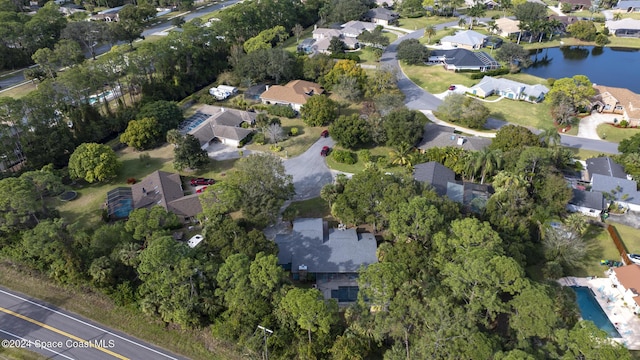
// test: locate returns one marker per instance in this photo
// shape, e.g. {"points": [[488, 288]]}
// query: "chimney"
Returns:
{"points": [[315, 26], [266, 88]]}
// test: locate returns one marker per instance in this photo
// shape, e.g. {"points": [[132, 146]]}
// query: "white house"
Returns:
{"points": [[468, 39], [509, 89]]}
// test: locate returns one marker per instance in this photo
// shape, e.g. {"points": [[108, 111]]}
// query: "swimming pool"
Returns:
{"points": [[591, 310]]}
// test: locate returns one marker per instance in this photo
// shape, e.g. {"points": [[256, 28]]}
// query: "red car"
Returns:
{"points": [[201, 190], [325, 133], [202, 181], [324, 151], [452, 87]]}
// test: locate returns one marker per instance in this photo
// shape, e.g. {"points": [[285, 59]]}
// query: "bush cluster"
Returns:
{"points": [[496, 72], [281, 110], [347, 56], [344, 157]]}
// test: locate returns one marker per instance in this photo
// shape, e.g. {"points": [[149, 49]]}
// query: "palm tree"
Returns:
{"points": [[402, 155], [493, 27], [550, 137], [617, 16], [462, 22], [476, 11], [576, 223], [429, 31], [486, 162]]}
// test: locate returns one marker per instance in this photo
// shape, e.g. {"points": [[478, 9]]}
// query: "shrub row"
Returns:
{"points": [[344, 157]]}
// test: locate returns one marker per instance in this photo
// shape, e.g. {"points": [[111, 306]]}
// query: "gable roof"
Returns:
{"points": [[586, 3], [294, 92], [627, 23], [326, 33], [435, 135], [625, 97], [624, 190], [381, 13], [324, 250], [625, 4], [158, 188], [463, 57], [186, 206], [434, 174], [507, 25], [605, 166], [489, 83], [356, 28], [588, 199], [467, 37]]}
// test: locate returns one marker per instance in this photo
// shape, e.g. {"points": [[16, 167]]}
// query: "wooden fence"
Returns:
{"points": [[619, 245]]}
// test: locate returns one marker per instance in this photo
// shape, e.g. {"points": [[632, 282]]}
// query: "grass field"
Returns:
{"points": [[614, 134], [19, 354], [522, 113], [312, 208], [195, 344], [435, 79], [600, 246]]}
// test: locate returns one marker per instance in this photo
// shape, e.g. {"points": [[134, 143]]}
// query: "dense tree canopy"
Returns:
{"points": [[403, 126], [319, 111], [412, 52], [350, 131], [93, 162]]}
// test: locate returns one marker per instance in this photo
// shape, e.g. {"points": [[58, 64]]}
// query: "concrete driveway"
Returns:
{"points": [[218, 151], [309, 170], [588, 125]]}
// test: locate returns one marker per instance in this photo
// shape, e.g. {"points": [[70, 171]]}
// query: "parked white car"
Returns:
{"points": [[635, 258]]}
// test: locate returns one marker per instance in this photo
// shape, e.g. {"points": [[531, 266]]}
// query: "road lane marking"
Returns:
{"points": [[63, 333], [31, 342], [87, 324]]}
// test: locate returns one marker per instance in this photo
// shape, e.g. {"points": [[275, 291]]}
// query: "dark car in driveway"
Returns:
{"points": [[202, 181], [324, 151]]}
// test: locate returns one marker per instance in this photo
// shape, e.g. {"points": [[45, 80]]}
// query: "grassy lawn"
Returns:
{"points": [[611, 133], [191, 343], [377, 153], [435, 79], [312, 208], [19, 354], [583, 154], [522, 113], [295, 145], [19, 91], [421, 22], [600, 246]]}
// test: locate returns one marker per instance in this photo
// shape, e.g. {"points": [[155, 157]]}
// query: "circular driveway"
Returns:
{"points": [[589, 124], [309, 170]]}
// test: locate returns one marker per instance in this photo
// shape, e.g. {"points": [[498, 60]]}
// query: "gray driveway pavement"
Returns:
{"points": [[309, 170]]}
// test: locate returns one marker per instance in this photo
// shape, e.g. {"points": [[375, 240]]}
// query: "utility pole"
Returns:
{"points": [[265, 334]]}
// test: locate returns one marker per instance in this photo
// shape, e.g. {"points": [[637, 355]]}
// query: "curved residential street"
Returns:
{"points": [[309, 170], [419, 99]]}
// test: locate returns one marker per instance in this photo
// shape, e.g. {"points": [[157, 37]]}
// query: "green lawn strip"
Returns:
{"points": [[294, 145], [18, 91], [421, 22], [583, 154], [19, 354], [98, 307], [312, 208], [615, 134]]}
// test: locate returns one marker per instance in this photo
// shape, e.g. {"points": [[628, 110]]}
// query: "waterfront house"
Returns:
{"points": [[468, 39], [509, 89]]}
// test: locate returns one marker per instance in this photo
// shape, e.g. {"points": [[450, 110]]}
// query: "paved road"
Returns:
{"points": [[309, 170], [18, 76], [416, 98], [57, 334]]}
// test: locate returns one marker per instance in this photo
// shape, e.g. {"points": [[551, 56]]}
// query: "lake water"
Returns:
{"points": [[617, 67]]}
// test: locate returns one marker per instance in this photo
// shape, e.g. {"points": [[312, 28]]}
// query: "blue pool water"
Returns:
{"points": [[591, 310], [123, 208]]}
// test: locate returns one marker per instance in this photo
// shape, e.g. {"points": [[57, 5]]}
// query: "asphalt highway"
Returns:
{"points": [[36, 326]]}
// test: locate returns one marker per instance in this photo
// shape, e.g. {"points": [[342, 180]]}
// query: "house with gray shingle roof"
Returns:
{"points": [[624, 28], [434, 174], [435, 135], [355, 28], [462, 59], [381, 16], [623, 191], [628, 5], [509, 89], [605, 166], [162, 188], [224, 125], [590, 203], [468, 39], [333, 255]]}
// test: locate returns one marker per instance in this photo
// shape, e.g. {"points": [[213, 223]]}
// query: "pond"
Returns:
{"points": [[617, 67]]}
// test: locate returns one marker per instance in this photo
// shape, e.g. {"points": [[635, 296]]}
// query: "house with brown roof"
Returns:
{"points": [[627, 280], [164, 189], [576, 5], [621, 101], [226, 126], [294, 94]]}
